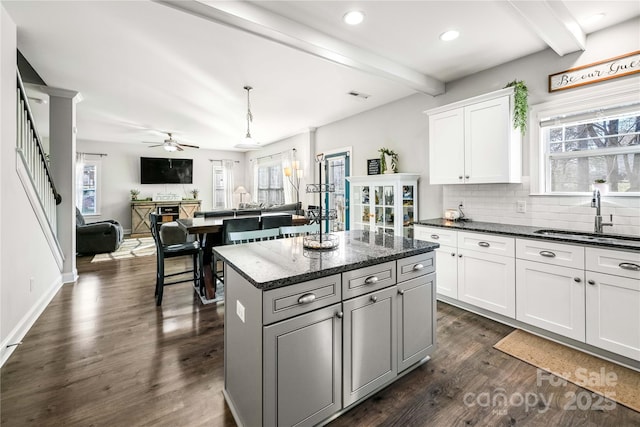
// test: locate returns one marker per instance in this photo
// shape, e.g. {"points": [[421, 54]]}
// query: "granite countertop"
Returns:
{"points": [[272, 264], [616, 241]]}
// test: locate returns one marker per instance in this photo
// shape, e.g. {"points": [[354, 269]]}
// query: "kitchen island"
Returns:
{"points": [[309, 334]]}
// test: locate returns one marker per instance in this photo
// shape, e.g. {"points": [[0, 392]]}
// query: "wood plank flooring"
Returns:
{"points": [[102, 354]]}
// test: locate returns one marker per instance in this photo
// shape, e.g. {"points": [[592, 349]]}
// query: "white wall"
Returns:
{"points": [[121, 173], [497, 202], [29, 274]]}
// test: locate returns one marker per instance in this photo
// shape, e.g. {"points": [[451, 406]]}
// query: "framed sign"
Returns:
{"points": [[373, 167], [612, 68]]}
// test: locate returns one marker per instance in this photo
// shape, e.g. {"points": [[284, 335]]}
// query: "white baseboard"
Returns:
{"points": [[23, 326]]}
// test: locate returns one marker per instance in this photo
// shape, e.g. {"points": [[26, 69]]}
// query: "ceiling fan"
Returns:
{"points": [[171, 144], [248, 143]]}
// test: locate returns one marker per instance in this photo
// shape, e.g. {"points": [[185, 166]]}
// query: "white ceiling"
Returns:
{"points": [[144, 67]]}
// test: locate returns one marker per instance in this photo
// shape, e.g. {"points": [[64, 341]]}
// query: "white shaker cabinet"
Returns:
{"points": [[446, 257], [473, 141], [550, 287], [613, 301]]}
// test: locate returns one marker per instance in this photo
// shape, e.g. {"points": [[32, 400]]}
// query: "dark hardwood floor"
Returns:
{"points": [[102, 354]]}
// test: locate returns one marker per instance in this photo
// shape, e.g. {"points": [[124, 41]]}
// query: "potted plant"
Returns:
{"points": [[601, 185], [520, 106], [134, 193], [194, 193], [388, 156]]}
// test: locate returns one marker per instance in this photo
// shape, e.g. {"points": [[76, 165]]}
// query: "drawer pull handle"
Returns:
{"points": [[418, 267], [371, 280], [400, 291], [374, 298], [484, 244], [435, 236], [548, 254], [577, 279], [339, 315], [591, 282], [307, 299], [629, 266]]}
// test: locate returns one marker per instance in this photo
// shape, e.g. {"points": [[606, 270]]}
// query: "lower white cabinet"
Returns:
{"points": [[551, 297], [446, 257], [487, 281], [613, 301], [369, 358]]}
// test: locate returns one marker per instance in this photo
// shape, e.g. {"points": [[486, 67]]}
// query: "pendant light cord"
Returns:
{"points": [[249, 115]]}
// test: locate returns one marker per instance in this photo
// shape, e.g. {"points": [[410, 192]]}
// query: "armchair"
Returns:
{"points": [[97, 237]]}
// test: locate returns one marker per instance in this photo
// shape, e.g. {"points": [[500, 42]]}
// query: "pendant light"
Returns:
{"points": [[248, 143]]}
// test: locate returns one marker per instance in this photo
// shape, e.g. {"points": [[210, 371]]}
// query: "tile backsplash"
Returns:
{"points": [[498, 203]]}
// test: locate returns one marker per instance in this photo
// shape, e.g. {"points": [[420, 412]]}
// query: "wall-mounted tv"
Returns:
{"points": [[159, 170]]}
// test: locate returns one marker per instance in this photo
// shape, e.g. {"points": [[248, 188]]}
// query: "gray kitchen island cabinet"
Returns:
{"points": [[308, 335]]}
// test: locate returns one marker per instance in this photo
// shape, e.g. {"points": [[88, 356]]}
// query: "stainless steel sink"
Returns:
{"points": [[612, 239]]}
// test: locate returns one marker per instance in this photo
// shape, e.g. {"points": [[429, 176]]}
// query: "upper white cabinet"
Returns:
{"points": [[474, 142]]}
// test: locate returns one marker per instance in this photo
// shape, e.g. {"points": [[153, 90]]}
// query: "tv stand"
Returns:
{"points": [[140, 210]]}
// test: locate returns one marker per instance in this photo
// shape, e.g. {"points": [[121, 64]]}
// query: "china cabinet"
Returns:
{"points": [[385, 203]]}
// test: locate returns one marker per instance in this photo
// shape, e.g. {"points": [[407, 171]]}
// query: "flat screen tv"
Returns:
{"points": [[159, 170]]}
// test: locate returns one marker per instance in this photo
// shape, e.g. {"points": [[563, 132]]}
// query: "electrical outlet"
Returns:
{"points": [[240, 310], [521, 206]]}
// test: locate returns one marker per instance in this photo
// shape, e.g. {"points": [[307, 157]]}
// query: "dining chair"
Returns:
{"points": [[300, 230], [275, 221], [238, 237], [231, 225], [165, 251]]}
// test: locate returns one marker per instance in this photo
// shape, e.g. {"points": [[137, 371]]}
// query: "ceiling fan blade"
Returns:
{"points": [[188, 145], [157, 145], [179, 148]]}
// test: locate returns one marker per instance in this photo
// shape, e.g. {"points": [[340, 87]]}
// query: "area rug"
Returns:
{"points": [[613, 381], [130, 248]]}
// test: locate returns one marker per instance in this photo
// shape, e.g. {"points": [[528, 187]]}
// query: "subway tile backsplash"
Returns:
{"points": [[498, 202]]}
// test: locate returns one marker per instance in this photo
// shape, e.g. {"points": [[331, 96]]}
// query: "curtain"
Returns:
{"points": [[268, 180], [229, 185], [288, 158], [80, 161]]}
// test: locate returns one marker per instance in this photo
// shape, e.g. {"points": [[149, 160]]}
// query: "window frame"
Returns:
{"points": [[606, 96], [97, 163]]}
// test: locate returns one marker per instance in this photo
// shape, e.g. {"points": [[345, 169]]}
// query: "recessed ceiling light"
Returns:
{"points": [[353, 17], [449, 35]]}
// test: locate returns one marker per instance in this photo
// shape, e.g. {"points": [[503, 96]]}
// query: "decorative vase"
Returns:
{"points": [[388, 160], [603, 187]]}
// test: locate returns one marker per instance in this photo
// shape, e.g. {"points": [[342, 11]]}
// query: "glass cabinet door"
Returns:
{"points": [[408, 206], [384, 208], [361, 207]]}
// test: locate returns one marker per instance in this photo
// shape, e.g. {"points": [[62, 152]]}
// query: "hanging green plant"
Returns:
{"points": [[521, 106]]}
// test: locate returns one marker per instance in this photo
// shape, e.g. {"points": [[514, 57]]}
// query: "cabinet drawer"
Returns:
{"points": [[487, 243], [289, 301], [368, 279], [550, 253], [436, 235], [619, 263], [415, 266]]}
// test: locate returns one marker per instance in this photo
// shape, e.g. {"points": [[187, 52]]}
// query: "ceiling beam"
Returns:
{"points": [[553, 23], [253, 19]]}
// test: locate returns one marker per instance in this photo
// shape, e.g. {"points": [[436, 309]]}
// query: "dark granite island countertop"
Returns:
{"points": [[272, 264]]}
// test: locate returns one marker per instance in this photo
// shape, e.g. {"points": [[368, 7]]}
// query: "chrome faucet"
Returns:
{"points": [[595, 203]]}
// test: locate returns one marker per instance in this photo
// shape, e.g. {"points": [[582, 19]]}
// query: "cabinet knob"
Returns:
{"points": [[466, 176], [400, 291], [371, 280], [591, 282], [460, 256], [459, 176], [374, 298], [577, 279], [339, 315], [453, 254]]}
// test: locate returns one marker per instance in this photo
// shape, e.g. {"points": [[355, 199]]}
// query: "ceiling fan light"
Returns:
{"points": [[449, 35], [169, 147]]}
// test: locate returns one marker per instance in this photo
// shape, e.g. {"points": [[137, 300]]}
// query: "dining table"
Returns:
{"points": [[204, 228]]}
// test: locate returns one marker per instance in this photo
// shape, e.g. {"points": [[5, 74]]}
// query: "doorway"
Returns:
{"points": [[337, 169]]}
